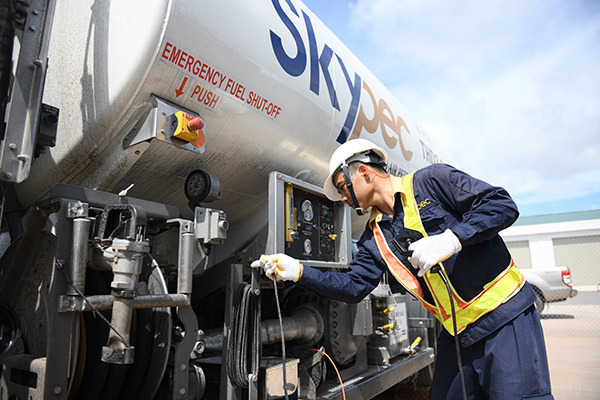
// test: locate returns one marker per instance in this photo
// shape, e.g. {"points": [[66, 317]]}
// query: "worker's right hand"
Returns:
{"points": [[434, 249], [284, 267]]}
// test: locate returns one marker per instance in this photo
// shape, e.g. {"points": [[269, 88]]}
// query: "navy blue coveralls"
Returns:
{"points": [[503, 353]]}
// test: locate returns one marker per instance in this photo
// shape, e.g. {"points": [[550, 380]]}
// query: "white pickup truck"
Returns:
{"points": [[550, 284]]}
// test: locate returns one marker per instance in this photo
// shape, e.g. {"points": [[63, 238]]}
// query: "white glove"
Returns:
{"points": [[431, 250], [283, 266]]}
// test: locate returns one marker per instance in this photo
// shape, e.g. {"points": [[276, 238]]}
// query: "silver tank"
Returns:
{"points": [[277, 90]]}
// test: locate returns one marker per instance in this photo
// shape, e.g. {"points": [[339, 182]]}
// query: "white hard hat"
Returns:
{"points": [[352, 150]]}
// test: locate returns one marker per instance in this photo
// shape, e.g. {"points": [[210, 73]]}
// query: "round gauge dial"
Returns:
{"points": [[307, 246], [307, 210]]}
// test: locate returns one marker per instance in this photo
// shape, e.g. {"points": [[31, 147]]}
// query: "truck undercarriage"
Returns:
{"points": [[108, 297]]}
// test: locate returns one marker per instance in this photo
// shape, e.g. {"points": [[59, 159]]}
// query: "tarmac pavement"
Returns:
{"points": [[572, 334]]}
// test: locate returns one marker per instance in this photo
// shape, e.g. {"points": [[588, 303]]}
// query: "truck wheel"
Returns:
{"points": [[539, 301]]}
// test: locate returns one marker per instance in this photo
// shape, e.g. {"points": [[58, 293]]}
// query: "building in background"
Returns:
{"points": [[569, 239]]}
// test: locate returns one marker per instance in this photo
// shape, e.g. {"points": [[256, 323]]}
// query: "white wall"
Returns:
{"points": [[540, 237]]}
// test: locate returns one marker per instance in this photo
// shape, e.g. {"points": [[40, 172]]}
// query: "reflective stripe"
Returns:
{"points": [[494, 293], [399, 270]]}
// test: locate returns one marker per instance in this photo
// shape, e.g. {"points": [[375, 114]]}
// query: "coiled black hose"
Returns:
{"points": [[245, 320]]}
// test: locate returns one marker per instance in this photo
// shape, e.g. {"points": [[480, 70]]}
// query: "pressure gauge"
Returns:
{"points": [[307, 246], [307, 210]]}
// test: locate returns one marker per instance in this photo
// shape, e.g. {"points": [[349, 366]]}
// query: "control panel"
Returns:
{"points": [[310, 228], [306, 225]]}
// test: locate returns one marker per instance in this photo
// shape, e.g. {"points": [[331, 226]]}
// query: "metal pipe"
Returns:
{"points": [[79, 255], [105, 302], [305, 325], [127, 266], [184, 279], [118, 350]]}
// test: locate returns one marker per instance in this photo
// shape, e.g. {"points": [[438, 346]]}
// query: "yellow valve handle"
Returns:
{"points": [[416, 342], [388, 310]]}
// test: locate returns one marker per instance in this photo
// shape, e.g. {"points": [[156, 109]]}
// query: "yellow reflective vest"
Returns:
{"points": [[494, 293]]}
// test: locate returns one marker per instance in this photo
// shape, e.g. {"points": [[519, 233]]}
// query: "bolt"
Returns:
{"points": [[199, 348], [37, 62], [56, 390], [35, 12], [12, 146], [182, 367], [182, 391], [32, 28], [256, 292], [8, 175]]}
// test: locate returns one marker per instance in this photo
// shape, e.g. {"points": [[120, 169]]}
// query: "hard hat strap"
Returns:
{"points": [[359, 210]]}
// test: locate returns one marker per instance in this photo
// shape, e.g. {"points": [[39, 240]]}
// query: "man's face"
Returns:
{"points": [[357, 185]]}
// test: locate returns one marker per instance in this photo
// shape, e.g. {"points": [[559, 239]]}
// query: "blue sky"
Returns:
{"points": [[511, 88]]}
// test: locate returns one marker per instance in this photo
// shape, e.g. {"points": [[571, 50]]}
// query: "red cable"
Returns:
{"points": [[336, 371]]}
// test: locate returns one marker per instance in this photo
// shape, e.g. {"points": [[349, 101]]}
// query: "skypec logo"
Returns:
{"points": [[321, 63]]}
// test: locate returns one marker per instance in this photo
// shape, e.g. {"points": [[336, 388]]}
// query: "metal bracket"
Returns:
{"points": [[138, 219], [154, 125], [182, 353], [22, 121], [77, 209], [421, 323]]}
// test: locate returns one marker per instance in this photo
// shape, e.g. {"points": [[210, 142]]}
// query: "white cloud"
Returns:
{"points": [[510, 88]]}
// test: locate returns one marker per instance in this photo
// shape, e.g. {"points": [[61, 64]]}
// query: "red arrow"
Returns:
{"points": [[179, 91]]}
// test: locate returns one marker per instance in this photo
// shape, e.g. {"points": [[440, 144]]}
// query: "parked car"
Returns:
{"points": [[550, 284]]}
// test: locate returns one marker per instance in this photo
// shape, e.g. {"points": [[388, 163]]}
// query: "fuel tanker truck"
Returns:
{"points": [[151, 150]]}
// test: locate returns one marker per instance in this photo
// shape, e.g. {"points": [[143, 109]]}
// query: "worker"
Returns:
{"points": [[501, 340]]}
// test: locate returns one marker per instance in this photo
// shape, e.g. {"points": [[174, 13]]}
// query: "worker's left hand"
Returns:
{"points": [[431, 250], [284, 267]]}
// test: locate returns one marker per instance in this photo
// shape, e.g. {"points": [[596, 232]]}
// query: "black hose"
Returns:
{"points": [[285, 392], [407, 236], [438, 270], [245, 320]]}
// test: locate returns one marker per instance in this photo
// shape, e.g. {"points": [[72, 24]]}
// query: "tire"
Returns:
{"points": [[539, 300]]}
